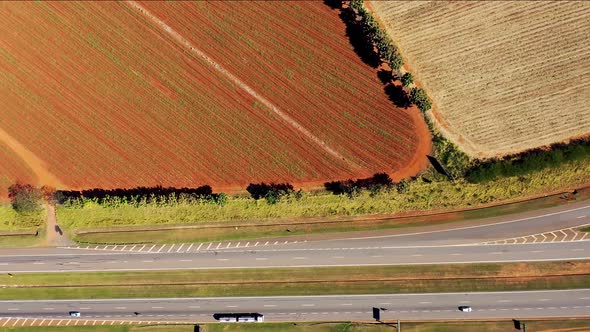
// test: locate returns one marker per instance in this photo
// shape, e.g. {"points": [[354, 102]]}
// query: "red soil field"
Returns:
{"points": [[225, 94]]}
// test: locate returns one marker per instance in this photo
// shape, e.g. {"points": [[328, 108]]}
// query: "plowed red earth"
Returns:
{"points": [[105, 96]]}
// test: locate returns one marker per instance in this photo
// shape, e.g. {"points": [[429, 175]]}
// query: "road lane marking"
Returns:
{"points": [[261, 259], [223, 259], [189, 248], [120, 308], [199, 248], [580, 217], [308, 305], [299, 257], [157, 307], [209, 246], [186, 260], [38, 263], [13, 309], [149, 261], [180, 248], [85, 308], [48, 308], [425, 302], [504, 301], [543, 300], [377, 256], [194, 306], [231, 306], [269, 305]]}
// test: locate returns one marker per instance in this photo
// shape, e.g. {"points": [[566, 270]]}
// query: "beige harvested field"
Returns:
{"points": [[504, 76]]}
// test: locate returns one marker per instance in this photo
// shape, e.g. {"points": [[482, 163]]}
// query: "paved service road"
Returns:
{"points": [[572, 303], [459, 244]]}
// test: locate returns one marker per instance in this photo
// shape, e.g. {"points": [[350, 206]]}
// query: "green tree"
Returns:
{"points": [[407, 79], [25, 198], [420, 99]]}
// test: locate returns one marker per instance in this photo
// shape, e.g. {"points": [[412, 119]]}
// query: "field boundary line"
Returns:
{"points": [[179, 38]]}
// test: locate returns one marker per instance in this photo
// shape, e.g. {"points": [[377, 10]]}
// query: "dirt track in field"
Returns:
{"points": [[237, 81], [37, 166]]}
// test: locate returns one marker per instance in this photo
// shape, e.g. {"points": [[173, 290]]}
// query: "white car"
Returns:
{"points": [[465, 308], [74, 314]]}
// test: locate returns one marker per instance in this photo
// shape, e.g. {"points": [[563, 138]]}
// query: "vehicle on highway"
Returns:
{"points": [[74, 314], [465, 308], [239, 317]]}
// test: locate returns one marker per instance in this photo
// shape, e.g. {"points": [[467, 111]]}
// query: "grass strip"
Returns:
{"points": [[215, 231], [299, 281]]}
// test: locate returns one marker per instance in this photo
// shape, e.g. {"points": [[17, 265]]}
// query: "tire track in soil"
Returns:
{"points": [[183, 41], [37, 166]]}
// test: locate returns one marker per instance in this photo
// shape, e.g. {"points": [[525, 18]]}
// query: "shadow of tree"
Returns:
{"points": [[397, 95]]}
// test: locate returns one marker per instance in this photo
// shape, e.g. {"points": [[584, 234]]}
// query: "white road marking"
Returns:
{"points": [[269, 305], [48, 308], [223, 259], [261, 259], [580, 217], [13, 309], [180, 248], [189, 248], [199, 248], [504, 301], [186, 260], [231, 306], [157, 307], [308, 305], [299, 257], [38, 263], [150, 261], [120, 308]]}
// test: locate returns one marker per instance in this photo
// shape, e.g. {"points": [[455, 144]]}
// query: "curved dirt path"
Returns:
{"points": [[44, 177]]}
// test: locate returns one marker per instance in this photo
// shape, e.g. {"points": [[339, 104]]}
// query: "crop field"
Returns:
{"points": [[105, 94], [504, 76]]}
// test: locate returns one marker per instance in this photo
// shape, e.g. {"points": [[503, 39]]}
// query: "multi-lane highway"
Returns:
{"points": [[325, 308], [461, 242]]}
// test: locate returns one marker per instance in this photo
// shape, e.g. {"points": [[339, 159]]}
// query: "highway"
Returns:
{"points": [[460, 242], [573, 303]]}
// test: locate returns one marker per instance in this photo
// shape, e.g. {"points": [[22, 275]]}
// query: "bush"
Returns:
{"points": [[25, 198], [407, 79], [420, 99], [271, 192]]}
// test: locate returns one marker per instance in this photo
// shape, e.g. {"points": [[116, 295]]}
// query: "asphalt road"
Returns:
{"points": [[456, 244], [573, 303]]}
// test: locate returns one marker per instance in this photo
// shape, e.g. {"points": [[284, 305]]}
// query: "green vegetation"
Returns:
{"points": [[586, 229], [419, 98], [420, 196], [289, 281], [407, 79], [11, 220]]}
